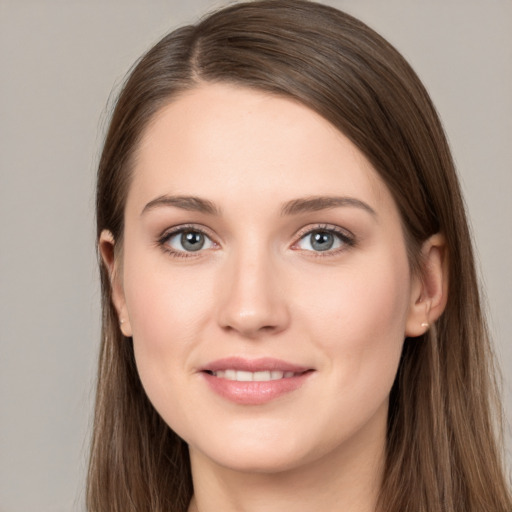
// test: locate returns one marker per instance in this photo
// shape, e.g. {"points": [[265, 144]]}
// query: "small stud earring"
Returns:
{"points": [[425, 324], [121, 322]]}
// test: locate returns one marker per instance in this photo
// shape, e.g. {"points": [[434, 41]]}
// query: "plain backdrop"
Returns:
{"points": [[59, 62]]}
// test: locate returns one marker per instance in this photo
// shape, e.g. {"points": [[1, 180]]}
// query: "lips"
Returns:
{"points": [[254, 382], [253, 365], [260, 376]]}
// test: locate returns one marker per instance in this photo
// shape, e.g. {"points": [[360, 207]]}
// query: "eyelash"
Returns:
{"points": [[346, 238], [163, 240]]}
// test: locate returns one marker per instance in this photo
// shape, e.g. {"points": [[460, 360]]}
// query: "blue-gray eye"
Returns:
{"points": [[189, 241], [320, 240], [192, 240]]}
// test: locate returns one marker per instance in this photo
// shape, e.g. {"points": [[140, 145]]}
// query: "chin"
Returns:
{"points": [[259, 462], [257, 456]]}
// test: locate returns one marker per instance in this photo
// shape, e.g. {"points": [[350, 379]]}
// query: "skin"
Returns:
{"points": [[258, 288]]}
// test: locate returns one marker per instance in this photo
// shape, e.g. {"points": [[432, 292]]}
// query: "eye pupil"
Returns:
{"points": [[192, 240], [322, 240]]}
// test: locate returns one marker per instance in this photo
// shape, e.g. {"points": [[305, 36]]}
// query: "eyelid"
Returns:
{"points": [[324, 227], [347, 237], [185, 227], [168, 233]]}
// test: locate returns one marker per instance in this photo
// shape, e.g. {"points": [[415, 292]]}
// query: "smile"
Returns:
{"points": [[259, 376], [254, 382]]}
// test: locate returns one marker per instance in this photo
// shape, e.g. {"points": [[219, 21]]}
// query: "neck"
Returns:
{"points": [[347, 479]]}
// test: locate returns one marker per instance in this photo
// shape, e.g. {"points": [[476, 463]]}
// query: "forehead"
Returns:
{"points": [[223, 141]]}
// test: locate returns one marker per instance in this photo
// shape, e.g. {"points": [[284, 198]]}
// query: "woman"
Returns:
{"points": [[291, 319]]}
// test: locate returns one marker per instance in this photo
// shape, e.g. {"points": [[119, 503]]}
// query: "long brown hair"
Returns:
{"points": [[444, 418]]}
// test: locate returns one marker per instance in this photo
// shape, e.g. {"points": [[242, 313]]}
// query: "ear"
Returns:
{"points": [[429, 290], [106, 245]]}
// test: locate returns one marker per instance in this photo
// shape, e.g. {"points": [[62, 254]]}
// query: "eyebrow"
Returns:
{"points": [[190, 203], [316, 203], [294, 207]]}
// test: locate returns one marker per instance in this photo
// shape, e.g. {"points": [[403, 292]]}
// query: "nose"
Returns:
{"points": [[253, 299]]}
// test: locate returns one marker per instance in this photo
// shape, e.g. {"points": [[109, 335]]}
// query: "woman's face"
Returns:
{"points": [[264, 280]]}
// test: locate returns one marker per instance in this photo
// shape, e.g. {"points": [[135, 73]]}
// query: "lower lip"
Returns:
{"points": [[255, 392]]}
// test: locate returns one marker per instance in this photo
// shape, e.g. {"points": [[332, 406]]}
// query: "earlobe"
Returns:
{"points": [[429, 290], [107, 249]]}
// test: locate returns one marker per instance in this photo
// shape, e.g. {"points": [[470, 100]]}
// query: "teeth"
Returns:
{"points": [[229, 374], [244, 376], [261, 376]]}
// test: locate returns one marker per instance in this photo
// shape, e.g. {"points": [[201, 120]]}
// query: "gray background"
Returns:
{"points": [[58, 63]]}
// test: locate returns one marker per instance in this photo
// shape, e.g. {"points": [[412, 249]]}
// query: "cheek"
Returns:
{"points": [[357, 323], [358, 320], [167, 310], [164, 305], [365, 298]]}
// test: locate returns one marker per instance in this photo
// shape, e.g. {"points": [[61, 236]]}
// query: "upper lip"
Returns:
{"points": [[253, 365]]}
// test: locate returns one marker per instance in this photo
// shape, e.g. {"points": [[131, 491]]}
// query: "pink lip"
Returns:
{"points": [[254, 393], [263, 364]]}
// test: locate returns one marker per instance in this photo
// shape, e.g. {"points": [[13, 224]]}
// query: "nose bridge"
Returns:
{"points": [[253, 301]]}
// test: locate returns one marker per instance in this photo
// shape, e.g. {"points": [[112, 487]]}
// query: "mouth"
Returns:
{"points": [[258, 376], [254, 382]]}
